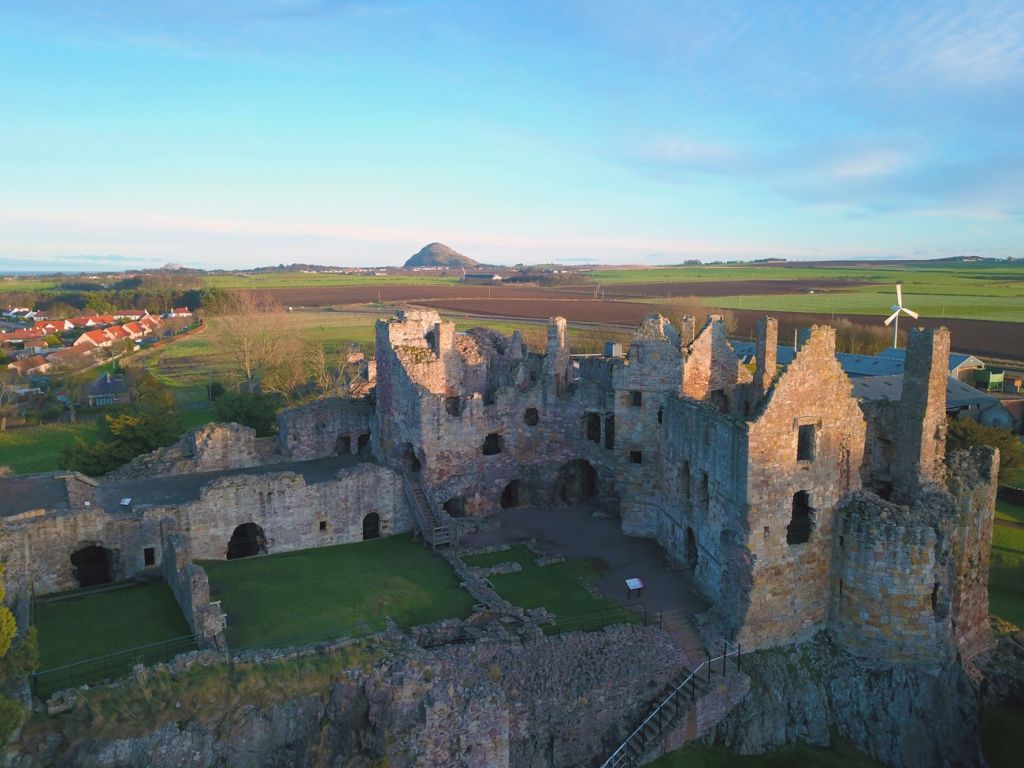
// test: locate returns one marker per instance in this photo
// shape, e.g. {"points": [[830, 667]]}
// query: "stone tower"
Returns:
{"points": [[921, 434]]}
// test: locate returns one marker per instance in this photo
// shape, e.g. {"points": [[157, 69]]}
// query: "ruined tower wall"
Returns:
{"points": [[973, 481], [921, 433], [711, 365], [703, 491], [888, 602], [805, 449], [319, 429]]}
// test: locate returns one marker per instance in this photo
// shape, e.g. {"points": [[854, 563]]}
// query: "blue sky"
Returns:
{"points": [[234, 134]]}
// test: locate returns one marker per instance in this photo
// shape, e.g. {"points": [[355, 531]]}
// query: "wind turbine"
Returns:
{"points": [[896, 309]]}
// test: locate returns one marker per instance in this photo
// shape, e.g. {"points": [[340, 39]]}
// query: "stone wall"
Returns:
{"points": [[801, 451], [291, 513], [210, 447], [191, 588], [326, 427], [889, 603]]}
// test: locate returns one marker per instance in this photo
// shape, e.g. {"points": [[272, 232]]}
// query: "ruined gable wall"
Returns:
{"points": [[890, 601], [653, 372], [312, 431], [703, 489], [711, 365], [973, 481], [289, 511], [191, 588], [882, 419], [790, 582], [210, 447]]}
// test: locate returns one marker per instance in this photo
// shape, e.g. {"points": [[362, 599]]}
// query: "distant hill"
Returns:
{"points": [[439, 255]]}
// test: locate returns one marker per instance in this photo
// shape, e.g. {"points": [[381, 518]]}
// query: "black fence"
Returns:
{"points": [[110, 667]]}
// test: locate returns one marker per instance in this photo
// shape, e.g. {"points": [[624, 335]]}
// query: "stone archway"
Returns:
{"points": [[371, 526], [410, 462], [577, 481], [92, 565], [247, 540], [692, 553], [511, 496]]}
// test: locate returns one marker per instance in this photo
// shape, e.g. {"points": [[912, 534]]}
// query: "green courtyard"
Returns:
{"points": [[557, 587], [319, 594]]}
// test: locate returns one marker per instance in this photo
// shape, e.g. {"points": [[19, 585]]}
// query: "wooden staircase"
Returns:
{"points": [[429, 519]]}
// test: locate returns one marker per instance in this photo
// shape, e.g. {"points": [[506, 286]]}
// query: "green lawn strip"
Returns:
{"points": [[1014, 477], [315, 594], [1002, 736], [1006, 576], [37, 449], [1009, 510], [557, 588], [514, 554], [840, 755], [98, 624]]}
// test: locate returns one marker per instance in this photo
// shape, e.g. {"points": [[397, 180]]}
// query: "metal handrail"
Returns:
{"points": [[617, 758]]}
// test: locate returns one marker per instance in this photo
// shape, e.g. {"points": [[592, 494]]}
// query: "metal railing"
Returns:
{"points": [[638, 740], [634, 613], [433, 534], [111, 666]]}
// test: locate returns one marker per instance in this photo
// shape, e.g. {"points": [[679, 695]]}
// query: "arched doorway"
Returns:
{"points": [[577, 481], [409, 459], [692, 553], [92, 565], [510, 495], [371, 526], [247, 540]]}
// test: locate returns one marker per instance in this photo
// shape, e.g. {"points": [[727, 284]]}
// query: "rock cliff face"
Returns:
{"points": [[902, 716], [556, 702]]}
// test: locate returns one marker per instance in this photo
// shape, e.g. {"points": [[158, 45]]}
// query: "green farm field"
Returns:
{"points": [[318, 279]]}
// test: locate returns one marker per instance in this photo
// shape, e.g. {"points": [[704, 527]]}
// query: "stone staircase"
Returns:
{"points": [[435, 531], [680, 628], [675, 701]]}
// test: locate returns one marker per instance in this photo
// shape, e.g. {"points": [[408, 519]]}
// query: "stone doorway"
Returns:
{"points": [[510, 496], [247, 540], [692, 554], [371, 526], [92, 565], [577, 481], [410, 462]]}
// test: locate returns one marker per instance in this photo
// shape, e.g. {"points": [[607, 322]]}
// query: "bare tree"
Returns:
{"points": [[341, 373], [254, 337], [8, 396]]}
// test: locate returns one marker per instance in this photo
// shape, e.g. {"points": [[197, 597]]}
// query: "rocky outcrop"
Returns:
{"points": [[901, 716], [560, 701]]}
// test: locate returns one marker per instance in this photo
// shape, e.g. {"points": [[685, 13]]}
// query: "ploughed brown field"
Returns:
{"points": [[983, 337], [723, 287]]}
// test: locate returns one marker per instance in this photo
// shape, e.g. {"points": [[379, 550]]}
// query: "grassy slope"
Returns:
{"points": [[1006, 577], [1007, 510], [1002, 736], [37, 449], [840, 755], [95, 625], [314, 594]]}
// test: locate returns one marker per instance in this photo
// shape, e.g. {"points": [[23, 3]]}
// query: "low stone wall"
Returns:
{"points": [[204, 449], [191, 588]]}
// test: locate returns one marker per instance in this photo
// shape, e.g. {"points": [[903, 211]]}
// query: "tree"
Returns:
{"points": [[151, 421], [254, 338], [965, 433], [16, 658], [339, 374], [72, 378], [251, 409], [8, 396]]}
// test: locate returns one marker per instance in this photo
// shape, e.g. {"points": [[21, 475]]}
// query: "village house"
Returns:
{"points": [[108, 389]]}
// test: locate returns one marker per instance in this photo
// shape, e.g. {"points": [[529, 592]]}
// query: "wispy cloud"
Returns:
{"points": [[688, 152], [871, 164]]}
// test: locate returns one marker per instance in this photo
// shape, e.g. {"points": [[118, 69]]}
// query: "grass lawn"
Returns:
{"points": [[1008, 510], [1006, 577], [314, 594], [96, 624], [840, 755], [37, 449], [555, 587], [1014, 477], [1002, 736]]}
